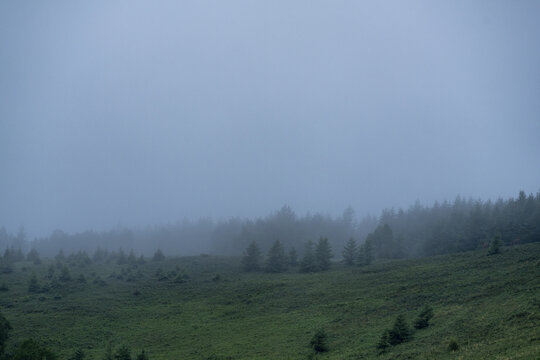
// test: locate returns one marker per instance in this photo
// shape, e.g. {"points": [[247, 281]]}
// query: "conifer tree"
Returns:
{"points": [[252, 257], [293, 257], [308, 263], [400, 332], [350, 252], [277, 260], [323, 254]]}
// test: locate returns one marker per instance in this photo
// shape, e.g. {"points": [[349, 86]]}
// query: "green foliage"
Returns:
{"points": [[308, 263], [32, 350], [5, 328], [277, 260], [78, 355], [453, 345], [142, 356], [319, 341], [400, 332], [108, 354], [252, 257], [323, 254], [365, 255], [422, 321], [384, 341], [123, 353], [492, 302], [350, 252]]}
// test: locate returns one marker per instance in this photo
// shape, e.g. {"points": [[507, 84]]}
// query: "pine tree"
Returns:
{"points": [[252, 257], [277, 260], [158, 255], [323, 254], [383, 342], [33, 256], [365, 254], [319, 341], [308, 263], [33, 284], [293, 257], [400, 332], [350, 252], [422, 321]]}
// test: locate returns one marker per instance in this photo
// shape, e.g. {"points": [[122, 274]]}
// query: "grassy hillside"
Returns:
{"points": [[489, 304]]}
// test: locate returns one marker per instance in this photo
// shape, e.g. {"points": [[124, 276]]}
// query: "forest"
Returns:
{"points": [[442, 228]]}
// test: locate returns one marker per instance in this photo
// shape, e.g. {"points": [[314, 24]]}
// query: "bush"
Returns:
{"points": [[422, 321], [78, 355], [122, 353], [384, 343], [453, 345], [31, 350], [319, 341], [142, 356]]}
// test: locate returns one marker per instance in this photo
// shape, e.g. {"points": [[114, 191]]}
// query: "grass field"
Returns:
{"points": [[490, 305]]}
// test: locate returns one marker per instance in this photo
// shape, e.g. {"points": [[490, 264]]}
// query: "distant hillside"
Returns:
{"points": [[204, 308]]}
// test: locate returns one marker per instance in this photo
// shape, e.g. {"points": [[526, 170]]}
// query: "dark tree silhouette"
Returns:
{"points": [[252, 257], [276, 260], [323, 254], [350, 252]]}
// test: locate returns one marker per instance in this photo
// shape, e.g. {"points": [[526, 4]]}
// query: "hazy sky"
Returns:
{"points": [[142, 112]]}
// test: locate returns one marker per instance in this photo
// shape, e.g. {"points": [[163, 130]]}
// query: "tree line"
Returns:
{"points": [[444, 227]]}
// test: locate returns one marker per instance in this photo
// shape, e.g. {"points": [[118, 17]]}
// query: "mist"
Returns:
{"points": [[117, 115]]}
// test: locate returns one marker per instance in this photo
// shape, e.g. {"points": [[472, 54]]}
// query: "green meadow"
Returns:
{"points": [[205, 307]]}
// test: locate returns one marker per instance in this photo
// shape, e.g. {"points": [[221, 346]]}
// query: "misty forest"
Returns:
{"points": [[269, 180]]}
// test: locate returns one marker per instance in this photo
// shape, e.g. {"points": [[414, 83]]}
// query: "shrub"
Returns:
{"points": [[422, 321], [453, 345], [122, 353], [78, 355], [142, 356], [319, 341], [31, 350], [400, 332], [384, 343]]}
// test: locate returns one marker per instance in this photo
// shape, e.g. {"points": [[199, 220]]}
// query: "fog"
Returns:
{"points": [[134, 113]]}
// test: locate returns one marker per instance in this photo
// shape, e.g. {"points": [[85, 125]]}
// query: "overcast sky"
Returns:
{"points": [[144, 112]]}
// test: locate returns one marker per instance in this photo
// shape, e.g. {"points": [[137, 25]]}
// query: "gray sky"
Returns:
{"points": [[142, 112]]}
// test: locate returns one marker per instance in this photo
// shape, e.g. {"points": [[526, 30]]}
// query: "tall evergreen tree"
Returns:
{"points": [[350, 252], [308, 263], [277, 260], [323, 254], [400, 332], [252, 257], [293, 257]]}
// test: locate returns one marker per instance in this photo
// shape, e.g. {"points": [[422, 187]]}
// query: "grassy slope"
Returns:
{"points": [[489, 304]]}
